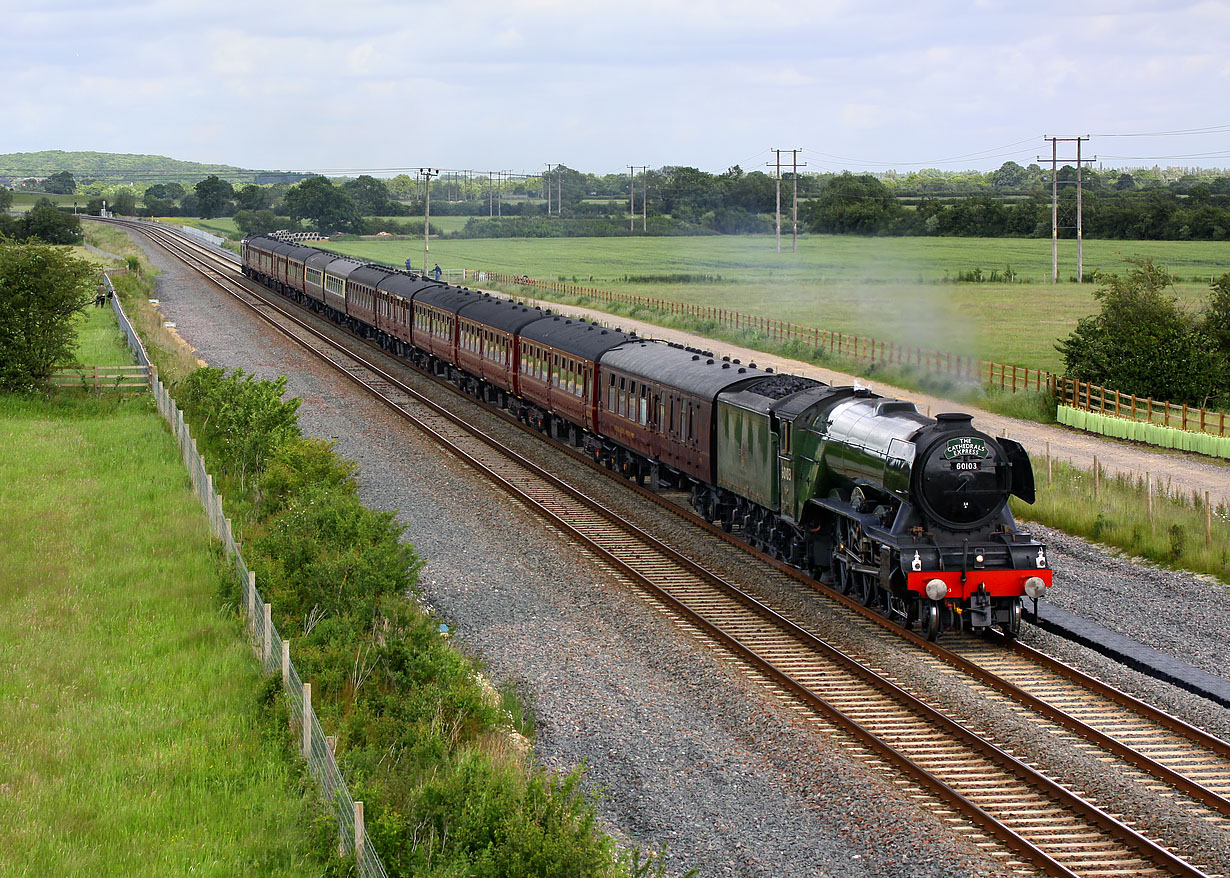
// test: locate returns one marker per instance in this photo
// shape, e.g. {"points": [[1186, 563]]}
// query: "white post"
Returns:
{"points": [[251, 596], [285, 662], [307, 721]]}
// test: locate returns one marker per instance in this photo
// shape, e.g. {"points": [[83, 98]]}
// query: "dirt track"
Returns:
{"points": [[1187, 472]]}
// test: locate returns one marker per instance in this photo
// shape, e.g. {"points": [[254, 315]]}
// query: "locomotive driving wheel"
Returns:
{"points": [[843, 576], [929, 619]]}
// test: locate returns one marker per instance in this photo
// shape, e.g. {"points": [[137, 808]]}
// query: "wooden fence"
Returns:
{"points": [[1094, 398], [1071, 392], [124, 379]]}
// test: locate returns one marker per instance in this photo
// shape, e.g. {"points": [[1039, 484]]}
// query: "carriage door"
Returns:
{"points": [[785, 467]]}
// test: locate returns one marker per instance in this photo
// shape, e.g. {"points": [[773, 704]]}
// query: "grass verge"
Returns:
{"points": [[136, 741], [1116, 511]]}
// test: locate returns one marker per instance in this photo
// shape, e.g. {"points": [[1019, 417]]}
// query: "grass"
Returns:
{"points": [[23, 201], [99, 340], [134, 739], [886, 288], [1116, 513]]}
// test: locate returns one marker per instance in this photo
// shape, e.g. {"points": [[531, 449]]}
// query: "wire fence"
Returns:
{"points": [[272, 651]]}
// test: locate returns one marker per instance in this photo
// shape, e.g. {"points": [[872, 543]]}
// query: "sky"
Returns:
{"points": [[379, 87]]}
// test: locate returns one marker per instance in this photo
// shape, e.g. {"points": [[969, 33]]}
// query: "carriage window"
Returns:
{"points": [[643, 413]]}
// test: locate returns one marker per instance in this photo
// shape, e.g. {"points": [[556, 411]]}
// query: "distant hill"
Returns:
{"points": [[122, 168]]}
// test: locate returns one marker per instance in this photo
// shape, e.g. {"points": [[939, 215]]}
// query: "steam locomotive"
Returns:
{"points": [[908, 513]]}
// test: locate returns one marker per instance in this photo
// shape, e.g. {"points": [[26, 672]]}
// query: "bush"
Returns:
{"points": [[241, 420], [1143, 342]]}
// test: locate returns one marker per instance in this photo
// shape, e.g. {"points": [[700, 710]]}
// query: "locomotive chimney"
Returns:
{"points": [[953, 420]]}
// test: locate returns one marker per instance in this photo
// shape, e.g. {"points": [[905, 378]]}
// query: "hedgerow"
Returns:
{"points": [[448, 789]]}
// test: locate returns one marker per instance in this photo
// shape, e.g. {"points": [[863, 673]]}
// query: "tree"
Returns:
{"points": [[369, 195], [60, 184], [212, 194], [1217, 316], [6, 199], [1143, 342], [124, 202], [327, 206], [50, 225], [253, 198], [1009, 176], [42, 290], [258, 222], [859, 204]]}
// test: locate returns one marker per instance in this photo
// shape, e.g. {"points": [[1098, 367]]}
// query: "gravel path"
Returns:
{"points": [[686, 751], [1188, 472]]}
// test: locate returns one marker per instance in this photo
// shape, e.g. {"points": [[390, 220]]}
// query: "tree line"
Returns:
{"points": [[1013, 201]]}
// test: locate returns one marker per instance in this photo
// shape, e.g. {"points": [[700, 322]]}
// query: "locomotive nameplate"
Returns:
{"points": [[966, 446]]}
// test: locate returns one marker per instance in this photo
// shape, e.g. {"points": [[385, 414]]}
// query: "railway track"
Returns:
{"points": [[1017, 811]]}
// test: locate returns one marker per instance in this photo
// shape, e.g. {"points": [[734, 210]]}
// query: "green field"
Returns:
{"points": [[886, 288], [135, 741], [25, 200]]}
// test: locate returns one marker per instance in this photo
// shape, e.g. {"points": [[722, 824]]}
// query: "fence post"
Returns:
{"points": [[358, 833], [267, 650], [285, 663], [251, 597], [307, 721]]}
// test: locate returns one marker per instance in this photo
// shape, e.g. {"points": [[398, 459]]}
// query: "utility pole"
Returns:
{"points": [[546, 180], [427, 173], [777, 210], [1055, 160], [777, 176], [559, 189], [631, 198], [632, 169], [794, 209]]}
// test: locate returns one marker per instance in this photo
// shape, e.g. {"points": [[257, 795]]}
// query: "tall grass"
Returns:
{"points": [[135, 741], [1115, 512]]}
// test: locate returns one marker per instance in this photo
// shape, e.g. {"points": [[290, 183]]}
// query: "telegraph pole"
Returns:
{"points": [[1055, 160], [631, 198], [427, 173], [794, 213], [777, 211], [546, 179], [794, 209], [632, 169]]}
